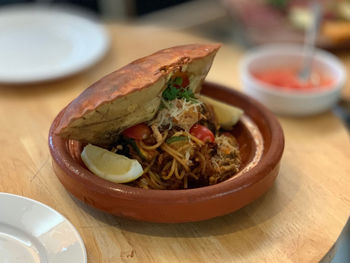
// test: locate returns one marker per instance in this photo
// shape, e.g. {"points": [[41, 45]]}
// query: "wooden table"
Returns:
{"points": [[298, 220]]}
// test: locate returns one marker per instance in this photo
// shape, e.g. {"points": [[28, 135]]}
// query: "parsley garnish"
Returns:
{"points": [[175, 91], [170, 93], [178, 81], [188, 95]]}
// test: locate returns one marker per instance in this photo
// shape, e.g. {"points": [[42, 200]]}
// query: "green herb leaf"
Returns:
{"points": [[178, 81], [175, 91], [132, 143], [188, 95], [170, 93], [176, 139]]}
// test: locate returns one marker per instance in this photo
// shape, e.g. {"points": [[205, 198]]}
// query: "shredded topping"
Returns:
{"points": [[178, 112]]}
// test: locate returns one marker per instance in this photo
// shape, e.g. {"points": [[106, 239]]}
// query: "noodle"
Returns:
{"points": [[166, 167], [202, 161], [169, 150], [173, 158], [145, 171], [156, 181], [175, 154], [196, 140], [172, 170], [177, 175], [156, 132], [180, 133], [155, 146], [194, 176], [184, 147]]}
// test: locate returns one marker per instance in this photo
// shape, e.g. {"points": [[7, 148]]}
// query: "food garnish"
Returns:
{"points": [[176, 139], [110, 166], [176, 90], [227, 115]]}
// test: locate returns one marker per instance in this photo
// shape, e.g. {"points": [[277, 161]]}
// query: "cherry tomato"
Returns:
{"points": [[202, 133], [138, 132], [184, 77]]}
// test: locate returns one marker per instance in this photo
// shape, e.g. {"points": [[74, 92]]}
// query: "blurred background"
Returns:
{"points": [[247, 22]]}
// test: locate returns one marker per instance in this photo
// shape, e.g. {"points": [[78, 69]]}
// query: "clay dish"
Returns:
{"points": [[261, 143]]}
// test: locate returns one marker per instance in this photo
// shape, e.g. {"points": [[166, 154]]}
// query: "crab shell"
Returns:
{"points": [[132, 94]]}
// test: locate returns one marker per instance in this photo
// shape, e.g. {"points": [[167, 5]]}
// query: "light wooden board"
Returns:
{"points": [[298, 220]]}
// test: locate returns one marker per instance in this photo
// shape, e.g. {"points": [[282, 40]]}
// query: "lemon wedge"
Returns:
{"points": [[111, 166], [227, 115]]}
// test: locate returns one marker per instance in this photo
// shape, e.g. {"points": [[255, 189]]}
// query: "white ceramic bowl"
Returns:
{"points": [[291, 102]]}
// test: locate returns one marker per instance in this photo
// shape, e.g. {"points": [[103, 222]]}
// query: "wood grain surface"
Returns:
{"points": [[298, 220]]}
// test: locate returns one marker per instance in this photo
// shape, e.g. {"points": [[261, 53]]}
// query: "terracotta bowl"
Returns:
{"points": [[261, 143]]}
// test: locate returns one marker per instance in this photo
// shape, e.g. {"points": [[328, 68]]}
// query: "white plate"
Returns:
{"points": [[39, 44], [32, 232]]}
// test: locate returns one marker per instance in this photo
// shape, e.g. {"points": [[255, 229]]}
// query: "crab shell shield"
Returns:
{"points": [[132, 94]]}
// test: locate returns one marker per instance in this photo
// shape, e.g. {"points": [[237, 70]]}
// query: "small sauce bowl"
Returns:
{"points": [[287, 101]]}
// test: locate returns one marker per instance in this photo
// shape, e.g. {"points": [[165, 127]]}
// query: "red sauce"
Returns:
{"points": [[287, 78]]}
